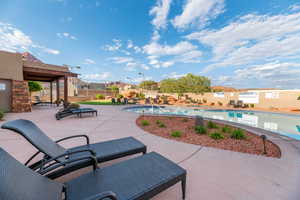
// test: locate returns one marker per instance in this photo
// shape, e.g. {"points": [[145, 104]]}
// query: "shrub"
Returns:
{"points": [[74, 105], [185, 120], [211, 125], [252, 105], [176, 133], [100, 96], [162, 125], [120, 96], [220, 103], [158, 122], [204, 101], [298, 98], [1, 114], [145, 123], [212, 104], [216, 136], [34, 86], [200, 129], [238, 134], [226, 129]]}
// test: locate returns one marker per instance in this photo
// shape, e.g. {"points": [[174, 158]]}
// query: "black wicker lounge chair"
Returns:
{"points": [[104, 151], [140, 178], [75, 111]]}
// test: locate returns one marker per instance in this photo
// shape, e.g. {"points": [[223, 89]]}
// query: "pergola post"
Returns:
{"points": [[66, 90], [51, 92], [57, 92]]}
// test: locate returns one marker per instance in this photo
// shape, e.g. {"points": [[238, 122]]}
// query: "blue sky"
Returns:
{"points": [[235, 43]]}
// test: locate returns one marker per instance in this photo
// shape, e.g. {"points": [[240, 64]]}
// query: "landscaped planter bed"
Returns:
{"points": [[183, 129]]}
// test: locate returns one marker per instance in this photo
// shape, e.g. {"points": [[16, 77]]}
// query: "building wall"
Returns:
{"points": [[11, 66], [270, 99]]}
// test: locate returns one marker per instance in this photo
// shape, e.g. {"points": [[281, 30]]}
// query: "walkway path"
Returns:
{"points": [[213, 174]]}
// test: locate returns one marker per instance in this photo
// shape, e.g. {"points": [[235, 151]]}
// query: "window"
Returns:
{"points": [[2, 86], [272, 95]]}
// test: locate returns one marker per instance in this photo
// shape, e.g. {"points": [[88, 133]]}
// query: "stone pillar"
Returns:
{"points": [[20, 97]]}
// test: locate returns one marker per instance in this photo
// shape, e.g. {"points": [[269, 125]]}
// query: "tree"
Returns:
{"points": [[114, 89], [189, 83], [34, 86], [149, 85]]}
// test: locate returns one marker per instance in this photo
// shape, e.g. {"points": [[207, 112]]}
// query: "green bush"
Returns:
{"points": [[120, 96], [185, 120], [226, 129], [34, 86], [176, 133], [100, 96], [200, 129], [74, 105], [162, 125], [211, 125], [252, 105], [1, 114], [216, 136], [145, 123], [238, 134], [158, 122]]}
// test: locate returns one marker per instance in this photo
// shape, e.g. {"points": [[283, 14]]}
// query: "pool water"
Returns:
{"points": [[284, 124]]}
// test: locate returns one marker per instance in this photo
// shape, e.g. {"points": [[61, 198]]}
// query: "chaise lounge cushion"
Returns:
{"points": [[138, 178]]}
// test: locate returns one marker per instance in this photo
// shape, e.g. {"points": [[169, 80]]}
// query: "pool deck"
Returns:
{"points": [[212, 173]]}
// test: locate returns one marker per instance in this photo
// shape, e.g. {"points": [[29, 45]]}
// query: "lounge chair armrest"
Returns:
{"points": [[45, 162], [103, 195], [75, 136], [54, 166]]}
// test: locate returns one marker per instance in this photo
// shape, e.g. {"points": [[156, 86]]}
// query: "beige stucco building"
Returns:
{"points": [[15, 71]]}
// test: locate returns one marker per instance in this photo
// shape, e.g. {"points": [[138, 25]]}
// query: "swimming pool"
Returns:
{"points": [[284, 124]]}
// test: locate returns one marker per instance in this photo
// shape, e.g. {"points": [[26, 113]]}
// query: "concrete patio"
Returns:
{"points": [[212, 173]]}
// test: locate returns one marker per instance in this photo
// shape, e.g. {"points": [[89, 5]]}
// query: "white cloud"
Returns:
{"points": [[156, 49], [66, 35], [251, 39], [131, 66], [89, 61], [155, 36], [117, 44], [145, 67], [198, 12], [167, 64], [295, 7], [160, 12], [121, 60], [274, 74], [97, 77], [13, 39], [129, 44], [173, 75], [140, 79]]}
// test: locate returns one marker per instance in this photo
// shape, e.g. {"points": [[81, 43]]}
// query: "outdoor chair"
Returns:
{"points": [[68, 160], [66, 112], [140, 178], [38, 101], [113, 100], [231, 103]]}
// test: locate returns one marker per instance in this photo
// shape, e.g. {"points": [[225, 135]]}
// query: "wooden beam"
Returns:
{"points": [[47, 72], [57, 92], [66, 90], [51, 92]]}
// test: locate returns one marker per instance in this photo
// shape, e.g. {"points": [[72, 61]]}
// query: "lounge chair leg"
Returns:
{"points": [[183, 187]]}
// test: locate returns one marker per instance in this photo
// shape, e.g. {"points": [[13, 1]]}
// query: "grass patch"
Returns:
{"points": [[216, 136], [176, 134], [212, 125], [200, 129], [238, 134], [145, 123], [226, 129]]}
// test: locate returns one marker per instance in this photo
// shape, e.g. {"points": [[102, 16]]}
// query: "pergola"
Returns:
{"points": [[37, 71]]}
